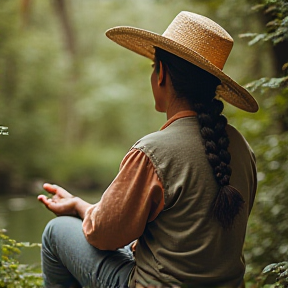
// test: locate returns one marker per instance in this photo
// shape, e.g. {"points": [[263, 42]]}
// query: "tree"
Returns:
{"points": [[268, 232]]}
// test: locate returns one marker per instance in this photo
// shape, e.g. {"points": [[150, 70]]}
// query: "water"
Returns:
{"points": [[25, 218]]}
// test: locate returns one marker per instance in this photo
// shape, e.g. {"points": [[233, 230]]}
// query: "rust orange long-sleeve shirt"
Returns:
{"points": [[135, 197]]}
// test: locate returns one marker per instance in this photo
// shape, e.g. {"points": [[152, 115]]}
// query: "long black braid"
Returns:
{"points": [[198, 87]]}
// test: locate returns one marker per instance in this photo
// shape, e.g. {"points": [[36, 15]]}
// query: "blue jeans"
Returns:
{"points": [[68, 260]]}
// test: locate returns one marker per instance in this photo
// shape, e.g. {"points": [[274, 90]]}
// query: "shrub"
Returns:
{"points": [[13, 274]]}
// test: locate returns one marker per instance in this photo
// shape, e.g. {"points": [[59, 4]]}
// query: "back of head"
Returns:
{"points": [[188, 80], [198, 87]]}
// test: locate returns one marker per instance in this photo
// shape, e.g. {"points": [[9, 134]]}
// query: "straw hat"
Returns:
{"points": [[196, 39]]}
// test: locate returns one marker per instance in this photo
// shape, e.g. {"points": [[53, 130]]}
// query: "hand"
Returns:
{"points": [[62, 202]]}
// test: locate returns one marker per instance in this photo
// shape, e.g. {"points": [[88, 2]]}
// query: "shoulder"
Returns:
{"points": [[149, 139], [235, 136], [238, 142], [176, 132], [233, 132]]}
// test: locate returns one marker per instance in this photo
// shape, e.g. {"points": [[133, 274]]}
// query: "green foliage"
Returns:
{"points": [[267, 233], [4, 130], [275, 273], [267, 226], [273, 276], [12, 273], [276, 12], [270, 83], [277, 27], [57, 104]]}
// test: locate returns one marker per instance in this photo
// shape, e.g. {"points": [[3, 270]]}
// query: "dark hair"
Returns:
{"points": [[198, 87]]}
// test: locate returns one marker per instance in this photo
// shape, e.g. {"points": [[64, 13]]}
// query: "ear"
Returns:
{"points": [[162, 74]]}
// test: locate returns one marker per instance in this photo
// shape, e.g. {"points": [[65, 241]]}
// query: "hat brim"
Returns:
{"points": [[144, 42]]}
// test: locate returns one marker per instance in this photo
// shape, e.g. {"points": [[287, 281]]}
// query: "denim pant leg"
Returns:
{"points": [[68, 259]]}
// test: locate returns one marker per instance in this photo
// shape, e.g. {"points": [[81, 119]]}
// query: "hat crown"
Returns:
{"points": [[201, 35]]}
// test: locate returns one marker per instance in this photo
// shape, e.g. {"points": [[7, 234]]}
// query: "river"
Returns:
{"points": [[24, 218]]}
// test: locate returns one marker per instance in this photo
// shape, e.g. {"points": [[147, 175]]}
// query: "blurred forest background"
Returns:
{"points": [[75, 102]]}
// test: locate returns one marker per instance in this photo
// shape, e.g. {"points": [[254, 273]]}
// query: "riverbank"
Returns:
{"points": [[24, 218]]}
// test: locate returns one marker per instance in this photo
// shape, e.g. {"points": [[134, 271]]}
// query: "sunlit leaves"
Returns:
{"points": [[274, 275], [4, 130], [267, 235], [277, 28], [270, 83], [13, 274]]}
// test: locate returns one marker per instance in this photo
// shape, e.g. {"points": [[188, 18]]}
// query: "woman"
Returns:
{"points": [[182, 197]]}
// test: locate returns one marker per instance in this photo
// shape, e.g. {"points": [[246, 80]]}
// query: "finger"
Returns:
{"points": [[50, 188], [49, 203], [56, 190], [45, 200]]}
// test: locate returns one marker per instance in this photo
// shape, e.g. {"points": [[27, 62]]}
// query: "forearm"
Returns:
{"points": [[80, 207]]}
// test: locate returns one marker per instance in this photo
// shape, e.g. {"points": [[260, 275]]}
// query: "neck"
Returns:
{"points": [[177, 105], [171, 104]]}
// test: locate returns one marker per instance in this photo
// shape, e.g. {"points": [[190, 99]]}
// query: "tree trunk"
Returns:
{"points": [[68, 115]]}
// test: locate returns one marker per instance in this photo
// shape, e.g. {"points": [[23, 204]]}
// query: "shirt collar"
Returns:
{"points": [[181, 114]]}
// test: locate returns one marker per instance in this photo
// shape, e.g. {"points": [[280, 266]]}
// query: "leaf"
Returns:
{"points": [[274, 83], [4, 130], [28, 244], [271, 9], [253, 86], [273, 23], [257, 39], [246, 35], [258, 7], [283, 275], [269, 268], [284, 21], [285, 66]]}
